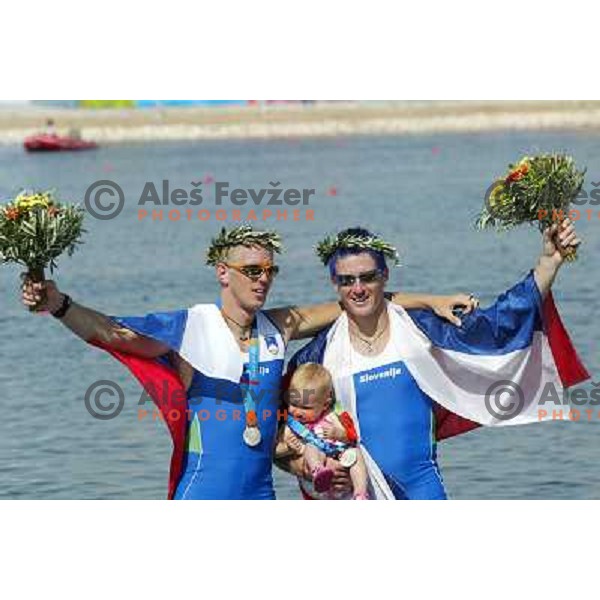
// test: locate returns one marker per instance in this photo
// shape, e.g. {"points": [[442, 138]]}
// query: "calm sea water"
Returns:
{"points": [[421, 192]]}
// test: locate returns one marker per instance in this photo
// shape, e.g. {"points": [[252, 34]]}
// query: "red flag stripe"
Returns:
{"points": [[164, 387], [570, 368]]}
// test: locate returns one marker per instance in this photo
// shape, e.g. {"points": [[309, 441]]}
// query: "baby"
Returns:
{"points": [[313, 430]]}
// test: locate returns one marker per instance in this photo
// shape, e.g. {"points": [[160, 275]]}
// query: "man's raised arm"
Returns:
{"points": [[551, 258], [299, 322], [89, 324]]}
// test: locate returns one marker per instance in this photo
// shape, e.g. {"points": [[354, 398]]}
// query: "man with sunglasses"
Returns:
{"points": [[409, 380], [214, 370]]}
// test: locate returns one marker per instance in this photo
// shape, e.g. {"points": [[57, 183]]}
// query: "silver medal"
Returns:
{"points": [[252, 436], [348, 458]]}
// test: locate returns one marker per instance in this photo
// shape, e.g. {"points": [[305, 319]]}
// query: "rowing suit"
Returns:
{"points": [[210, 458], [397, 425]]}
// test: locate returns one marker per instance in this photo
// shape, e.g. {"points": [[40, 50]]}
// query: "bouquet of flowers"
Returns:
{"points": [[35, 229], [536, 190]]}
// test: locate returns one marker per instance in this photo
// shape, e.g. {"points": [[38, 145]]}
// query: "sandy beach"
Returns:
{"points": [[321, 119]]}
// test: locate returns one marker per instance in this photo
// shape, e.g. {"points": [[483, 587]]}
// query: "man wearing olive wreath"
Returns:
{"points": [[408, 379], [219, 358]]}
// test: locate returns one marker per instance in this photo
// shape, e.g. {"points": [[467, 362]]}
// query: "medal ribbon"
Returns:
{"points": [[310, 437], [253, 361]]}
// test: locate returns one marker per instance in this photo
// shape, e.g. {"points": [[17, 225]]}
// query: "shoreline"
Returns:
{"points": [[109, 126]]}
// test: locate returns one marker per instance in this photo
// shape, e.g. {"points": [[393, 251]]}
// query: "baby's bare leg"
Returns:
{"points": [[314, 457], [359, 476], [322, 476]]}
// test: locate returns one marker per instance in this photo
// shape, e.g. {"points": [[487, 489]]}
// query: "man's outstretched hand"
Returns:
{"points": [[447, 306]]}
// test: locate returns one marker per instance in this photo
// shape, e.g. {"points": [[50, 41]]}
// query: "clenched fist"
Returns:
{"points": [[40, 296]]}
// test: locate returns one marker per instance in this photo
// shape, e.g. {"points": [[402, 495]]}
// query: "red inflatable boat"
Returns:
{"points": [[56, 143]]}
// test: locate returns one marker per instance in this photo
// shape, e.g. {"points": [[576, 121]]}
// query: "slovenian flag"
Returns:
{"points": [[516, 347]]}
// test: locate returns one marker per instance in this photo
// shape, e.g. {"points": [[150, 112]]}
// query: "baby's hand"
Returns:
{"points": [[295, 444], [334, 431]]}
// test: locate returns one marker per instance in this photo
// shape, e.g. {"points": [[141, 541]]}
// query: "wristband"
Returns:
{"points": [[64, 307]]}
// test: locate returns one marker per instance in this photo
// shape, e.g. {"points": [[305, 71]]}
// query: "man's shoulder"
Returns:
{"points": [[270, 321], [313, 351], [203, 306]]}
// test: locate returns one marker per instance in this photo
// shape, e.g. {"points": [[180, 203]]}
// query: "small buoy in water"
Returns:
{"points": [[332, 191], [208, 178], [435, 150]]}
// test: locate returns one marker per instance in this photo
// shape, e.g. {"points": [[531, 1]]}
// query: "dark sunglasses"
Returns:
{"points": [[255, 272], [350, 280]]}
